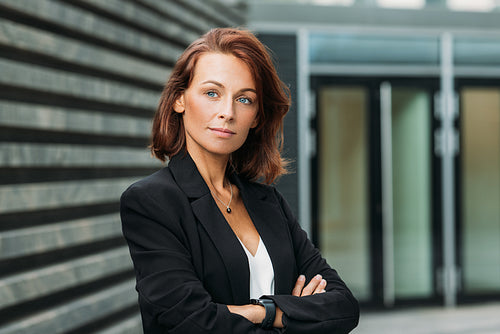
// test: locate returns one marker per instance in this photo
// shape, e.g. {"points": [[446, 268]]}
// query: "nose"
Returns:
{"points": [[227, 110]]}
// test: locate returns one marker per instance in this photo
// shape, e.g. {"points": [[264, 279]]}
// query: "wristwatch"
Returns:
{"points": [[268, 304]]}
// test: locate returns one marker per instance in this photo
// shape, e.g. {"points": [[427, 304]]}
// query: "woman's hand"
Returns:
{"points": [[316, 285], [256, 313]]}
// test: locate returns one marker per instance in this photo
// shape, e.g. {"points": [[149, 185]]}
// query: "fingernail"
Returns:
{"points": [[302, 278], [323, 282], [318, 277]]}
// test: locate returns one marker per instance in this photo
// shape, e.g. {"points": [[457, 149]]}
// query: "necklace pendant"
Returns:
{"points": [[228, 209]]}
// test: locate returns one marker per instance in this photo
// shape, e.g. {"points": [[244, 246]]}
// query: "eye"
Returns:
{"points": [[211, 93], [244, 100]]}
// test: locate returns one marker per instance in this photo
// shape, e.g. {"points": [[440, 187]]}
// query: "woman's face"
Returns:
{"points": [[220, 105]]}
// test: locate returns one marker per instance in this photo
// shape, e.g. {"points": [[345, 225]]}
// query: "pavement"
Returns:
{"points": [[469, 319]]}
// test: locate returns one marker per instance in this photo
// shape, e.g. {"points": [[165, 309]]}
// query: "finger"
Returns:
{"points": [[299, 285], [309, 289], [321, 287]]}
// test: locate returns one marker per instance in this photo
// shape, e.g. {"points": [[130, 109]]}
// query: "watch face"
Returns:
{"points": [[261, 301]]}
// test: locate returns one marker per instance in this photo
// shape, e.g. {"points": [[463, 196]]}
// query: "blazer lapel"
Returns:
{"points": [[208, 214], [273, 229], [226, 242]]}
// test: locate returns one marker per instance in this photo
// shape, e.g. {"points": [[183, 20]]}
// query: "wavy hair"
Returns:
{"points": [[259, 158]]}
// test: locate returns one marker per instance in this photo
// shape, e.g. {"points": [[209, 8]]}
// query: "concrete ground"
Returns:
{"points": [[470, 319]]}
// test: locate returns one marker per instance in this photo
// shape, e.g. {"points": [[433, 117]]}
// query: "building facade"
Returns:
{"points": [[396, 126]]}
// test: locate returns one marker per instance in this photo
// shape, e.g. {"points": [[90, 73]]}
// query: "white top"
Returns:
{"points": [[261, 271]]}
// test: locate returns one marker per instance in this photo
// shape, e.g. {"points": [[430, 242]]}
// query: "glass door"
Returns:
{"points": [[406, 135], [375, 189], [479, 207], [343, 188]]}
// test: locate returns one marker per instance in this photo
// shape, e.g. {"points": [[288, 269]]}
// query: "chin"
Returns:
{"points": [[224, 150]]}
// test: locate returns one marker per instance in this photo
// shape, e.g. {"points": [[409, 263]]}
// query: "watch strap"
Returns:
{"points": [[270, 308]]}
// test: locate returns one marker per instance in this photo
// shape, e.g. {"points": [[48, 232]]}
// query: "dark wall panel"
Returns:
{"points": [[284, 51]]}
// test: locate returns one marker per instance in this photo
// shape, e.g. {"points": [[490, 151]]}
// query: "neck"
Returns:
{"points": [[212, 169]]}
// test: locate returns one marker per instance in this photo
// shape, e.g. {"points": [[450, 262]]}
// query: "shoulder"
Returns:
{"points": [[254, 188], [262, 187], [264, 191], [159, 188], [275, 196]]}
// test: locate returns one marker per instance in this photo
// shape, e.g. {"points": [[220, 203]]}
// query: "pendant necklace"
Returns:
{"points": [[228, 209]]}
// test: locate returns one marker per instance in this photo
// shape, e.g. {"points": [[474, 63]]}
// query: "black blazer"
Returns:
{"points": [[189, 263]]}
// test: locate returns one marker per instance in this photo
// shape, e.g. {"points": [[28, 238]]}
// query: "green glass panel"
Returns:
{"points": [[343, 209], [349, 48], [481, 189], [476, 51], [411, 192]]}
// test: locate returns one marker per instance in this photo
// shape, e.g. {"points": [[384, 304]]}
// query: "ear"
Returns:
{"points": [[179, 105]]}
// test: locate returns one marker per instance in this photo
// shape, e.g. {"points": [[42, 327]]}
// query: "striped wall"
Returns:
{"points": [[79, 82]]}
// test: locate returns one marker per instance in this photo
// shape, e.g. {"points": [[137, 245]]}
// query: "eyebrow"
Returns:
{"points": [[222, 86]]}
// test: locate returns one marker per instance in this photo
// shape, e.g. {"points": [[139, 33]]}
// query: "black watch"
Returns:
{"points": [[268, 304]]}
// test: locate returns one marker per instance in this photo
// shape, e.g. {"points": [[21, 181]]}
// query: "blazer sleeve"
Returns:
{"points": [[172, 298], [336, 310]]}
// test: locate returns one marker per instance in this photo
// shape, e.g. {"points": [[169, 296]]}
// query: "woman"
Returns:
{"points": [[215, 251]]}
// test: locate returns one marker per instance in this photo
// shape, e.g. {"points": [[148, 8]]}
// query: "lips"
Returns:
{"points": [[222, 132]]}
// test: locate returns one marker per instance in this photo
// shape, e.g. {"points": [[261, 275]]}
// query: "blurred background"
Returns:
{"points": [[394, 132]]}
